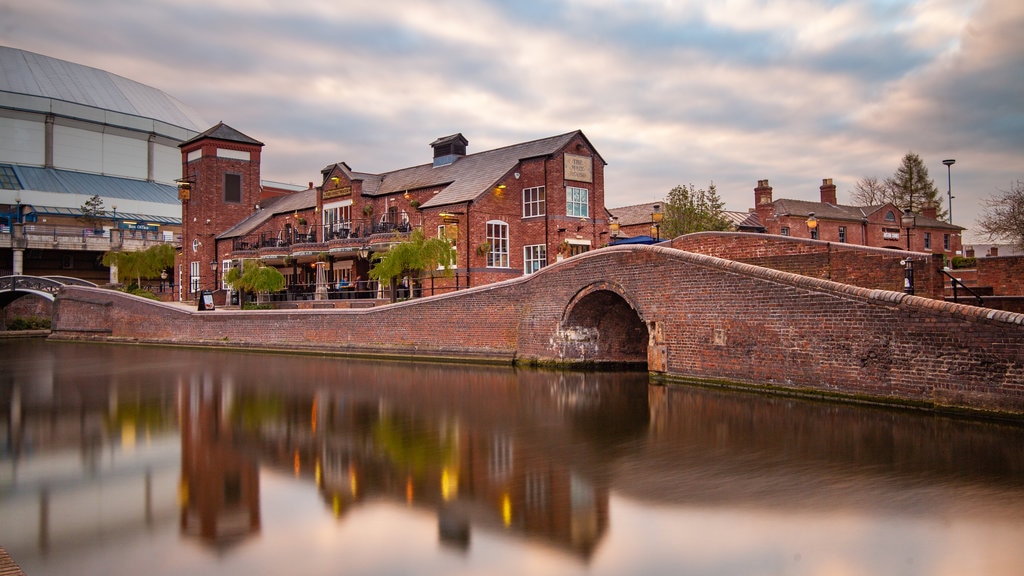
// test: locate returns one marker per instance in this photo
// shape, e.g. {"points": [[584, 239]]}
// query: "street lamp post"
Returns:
{"points": [[949, 184], [908, 220]]}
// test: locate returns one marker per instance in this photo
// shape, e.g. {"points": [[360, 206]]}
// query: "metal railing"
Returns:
{"points": [[957, 282]]}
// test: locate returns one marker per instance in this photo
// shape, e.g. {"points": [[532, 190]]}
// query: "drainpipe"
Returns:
{"points": [[468, 283]]}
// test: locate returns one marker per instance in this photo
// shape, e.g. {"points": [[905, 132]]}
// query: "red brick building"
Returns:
{"points": [[508, 211], [882, 226]]}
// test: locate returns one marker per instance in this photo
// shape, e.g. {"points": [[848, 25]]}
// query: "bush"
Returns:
{"points": [[962, 262], [141, 292], [29, 323], [254, 306]]}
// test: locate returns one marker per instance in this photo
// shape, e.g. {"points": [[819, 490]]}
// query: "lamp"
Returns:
{"points": [[812, 225], [908, 220], [656, 217], [614, 227], [949, 185]]}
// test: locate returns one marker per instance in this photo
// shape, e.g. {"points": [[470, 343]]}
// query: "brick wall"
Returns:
{"points": [[878, 268], [704, 318], [1004, 274]]}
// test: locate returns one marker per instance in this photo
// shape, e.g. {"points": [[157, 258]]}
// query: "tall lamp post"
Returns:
{"points": [[908, 220], [949, 184]]}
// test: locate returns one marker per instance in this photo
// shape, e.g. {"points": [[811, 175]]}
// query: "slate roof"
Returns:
{"points": [[294, 202], [466, 178], [222, 131], [825, 211], [635, 214]]}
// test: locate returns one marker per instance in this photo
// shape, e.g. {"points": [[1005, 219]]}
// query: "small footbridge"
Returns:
{"points": [[14, 287]]}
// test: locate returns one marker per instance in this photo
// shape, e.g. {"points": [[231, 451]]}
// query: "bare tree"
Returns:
{"points": [[1003, 215], [871, 191]]}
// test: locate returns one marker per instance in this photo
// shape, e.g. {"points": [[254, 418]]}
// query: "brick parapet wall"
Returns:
{"points": [[1004, 274], [868, 267], [713, 319]]}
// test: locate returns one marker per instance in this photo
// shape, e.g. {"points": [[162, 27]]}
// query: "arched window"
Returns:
{"points": [[497, 237], [890, 216]]}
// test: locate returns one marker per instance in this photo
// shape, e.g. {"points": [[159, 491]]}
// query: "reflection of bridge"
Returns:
{"points": [[14, 287]]}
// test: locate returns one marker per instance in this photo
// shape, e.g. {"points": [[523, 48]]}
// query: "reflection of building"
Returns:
{"points": [[470, 469], [219, 490]]}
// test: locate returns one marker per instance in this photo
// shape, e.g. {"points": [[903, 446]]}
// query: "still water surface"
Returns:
{"points": [[122, 460]]}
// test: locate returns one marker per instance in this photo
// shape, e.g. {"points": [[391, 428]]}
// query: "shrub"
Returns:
{"points": [[962, 262], [29, 323]]}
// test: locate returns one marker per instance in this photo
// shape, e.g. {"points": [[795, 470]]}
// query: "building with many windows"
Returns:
{"points": [[508, 212]]}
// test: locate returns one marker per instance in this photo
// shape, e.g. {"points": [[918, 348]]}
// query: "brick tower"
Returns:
{"points": [[219, 187]]}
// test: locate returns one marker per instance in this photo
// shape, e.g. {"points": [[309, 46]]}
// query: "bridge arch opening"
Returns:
{"points": [[600, 325]]}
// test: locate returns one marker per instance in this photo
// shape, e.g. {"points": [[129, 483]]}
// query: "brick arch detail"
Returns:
{"points": [[602, 321]]}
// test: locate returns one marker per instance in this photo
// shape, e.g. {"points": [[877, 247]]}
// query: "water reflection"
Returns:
{"points": [[108, 440]]}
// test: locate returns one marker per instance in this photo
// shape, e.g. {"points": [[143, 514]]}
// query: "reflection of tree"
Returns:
{"points": [[413, 446], [253, 412]]}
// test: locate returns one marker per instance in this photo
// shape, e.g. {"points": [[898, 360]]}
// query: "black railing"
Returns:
{"points": [[956, 282]]}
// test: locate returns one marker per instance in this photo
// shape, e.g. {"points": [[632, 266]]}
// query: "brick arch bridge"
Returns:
{"points": [[683, 315]]}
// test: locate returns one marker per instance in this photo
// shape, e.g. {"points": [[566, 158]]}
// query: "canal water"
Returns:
{"points": [[121, 460]]}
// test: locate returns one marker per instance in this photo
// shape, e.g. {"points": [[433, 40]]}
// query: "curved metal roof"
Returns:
{"points": [[32, 74]]}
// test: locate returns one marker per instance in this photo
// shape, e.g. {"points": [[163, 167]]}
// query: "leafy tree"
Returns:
{"points": [[688, 210], [148, 263], [1003, 215], [911, 187], [93, 211], [255, 277], [411, 258]]}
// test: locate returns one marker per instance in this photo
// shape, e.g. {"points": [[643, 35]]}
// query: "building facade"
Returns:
{"points": [[507, 212]]}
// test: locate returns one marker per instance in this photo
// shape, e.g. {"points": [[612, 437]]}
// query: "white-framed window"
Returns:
{"points": [[338, 220], [534, 202], [842, 234], [945, 241], [927, 240], [784, 231], [450, 232], [225, 266], [497, 237], [193, 276], [535, 257], [577, 202]]}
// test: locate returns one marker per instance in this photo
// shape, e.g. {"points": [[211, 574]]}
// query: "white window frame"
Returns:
{"points": [[497, 237], [535, 201], [442, 232], [193, 276], [225, 267], [577, 202], [535, 257]]}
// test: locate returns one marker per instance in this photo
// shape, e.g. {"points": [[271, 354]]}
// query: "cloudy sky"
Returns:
{"points": [[669, 91]]}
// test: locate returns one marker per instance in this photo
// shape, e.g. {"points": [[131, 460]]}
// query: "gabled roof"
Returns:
{"points": [[223, 132], [825, 211], [466, 178]]}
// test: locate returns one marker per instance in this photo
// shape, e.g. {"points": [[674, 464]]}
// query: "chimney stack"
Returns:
{"points": [[763, 193], [930, 210], [828, 192]]}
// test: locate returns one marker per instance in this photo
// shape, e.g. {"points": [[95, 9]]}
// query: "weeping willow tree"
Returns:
{"points": [[143, 264], [411, 257], [254, 277]]}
